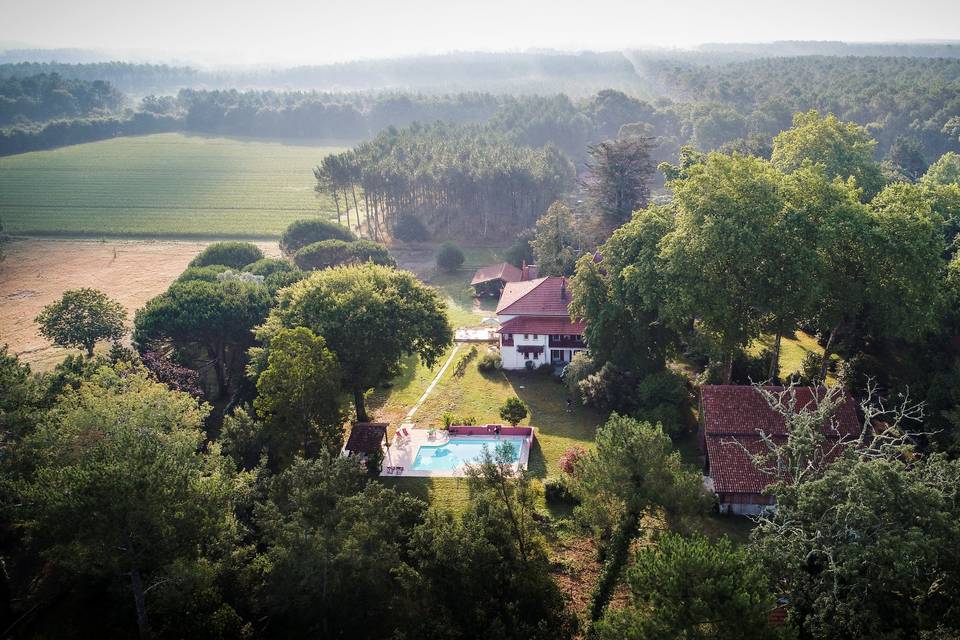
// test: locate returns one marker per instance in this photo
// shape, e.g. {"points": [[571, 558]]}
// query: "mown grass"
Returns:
{"points": [[793, 349], [165, 184]]}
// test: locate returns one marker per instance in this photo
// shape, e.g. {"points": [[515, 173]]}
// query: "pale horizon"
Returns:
{"points": [[293, 32]]}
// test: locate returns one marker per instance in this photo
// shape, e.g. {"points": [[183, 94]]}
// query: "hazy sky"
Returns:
{"points": [[315, 31]]}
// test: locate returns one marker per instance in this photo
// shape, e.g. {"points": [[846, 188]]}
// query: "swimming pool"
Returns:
{"points": [[460, 450]]}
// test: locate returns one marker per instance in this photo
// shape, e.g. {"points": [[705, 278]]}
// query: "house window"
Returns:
{"points": [[509, 336], [536, 356], [526, 336], [535, 336]]}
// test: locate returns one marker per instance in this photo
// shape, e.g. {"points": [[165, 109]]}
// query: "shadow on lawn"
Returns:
{"points": [[537, 463], [380, 395]]}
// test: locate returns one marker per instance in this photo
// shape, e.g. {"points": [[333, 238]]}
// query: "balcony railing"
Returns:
{"points": [[568, 342]]}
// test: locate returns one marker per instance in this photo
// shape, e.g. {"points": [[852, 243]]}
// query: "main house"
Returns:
{"points": [[535, 324], [732, 419]]}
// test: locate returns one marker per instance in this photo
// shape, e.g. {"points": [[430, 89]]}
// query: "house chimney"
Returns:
{"points": [[524, 271], [563, 287]]}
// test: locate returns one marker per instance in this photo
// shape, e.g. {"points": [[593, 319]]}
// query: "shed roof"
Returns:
{"points": [[366, 437], [501, 271]]}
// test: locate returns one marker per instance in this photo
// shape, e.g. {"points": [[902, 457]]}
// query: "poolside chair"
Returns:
{"points": [[402, 437]]}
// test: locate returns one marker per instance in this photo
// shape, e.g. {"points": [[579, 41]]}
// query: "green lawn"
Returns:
{"points": [[165, 184], [792, 351], [464, 310]]}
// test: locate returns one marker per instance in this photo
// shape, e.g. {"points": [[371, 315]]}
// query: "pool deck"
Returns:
{"points": [[404, 454]]}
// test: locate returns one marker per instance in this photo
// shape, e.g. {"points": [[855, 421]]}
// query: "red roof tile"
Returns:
{"points": [[366, 437], [549, 325], [547, 296], [729, 409], [733, 419], [502, 271]]}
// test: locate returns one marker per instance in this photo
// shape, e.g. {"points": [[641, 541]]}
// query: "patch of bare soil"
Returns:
{"points": [[419, 260], [576, 570], [36, 271]]}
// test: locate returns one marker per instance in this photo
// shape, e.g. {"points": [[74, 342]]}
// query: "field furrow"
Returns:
{"points": [[168, 184]]}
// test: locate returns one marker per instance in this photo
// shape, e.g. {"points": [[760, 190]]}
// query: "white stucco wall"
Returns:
{"points": [[513, 359]]}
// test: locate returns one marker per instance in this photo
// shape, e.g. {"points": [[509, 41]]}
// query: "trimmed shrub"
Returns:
{"points": [[304, 232], [410, 228], [269, 266], [276, 281], [235, 255], [557, 492], [208, 273], [331, 253], [513, 410], [449, 257], [489, 362]]}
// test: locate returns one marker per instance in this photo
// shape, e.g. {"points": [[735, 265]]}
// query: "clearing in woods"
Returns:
{"points": [[167, 184]]}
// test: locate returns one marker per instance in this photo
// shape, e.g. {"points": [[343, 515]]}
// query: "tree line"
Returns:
{"points": [[43, 97], [455, 180], [813, 239], [736, 105]]}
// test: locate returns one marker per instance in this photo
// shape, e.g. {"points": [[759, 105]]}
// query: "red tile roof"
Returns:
{"points": [[549, 325], [733, 417], [547, 296], [366, 437], [502, 271]]}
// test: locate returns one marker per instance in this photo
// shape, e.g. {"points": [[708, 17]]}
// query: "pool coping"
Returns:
{"points": [[404, 454]]}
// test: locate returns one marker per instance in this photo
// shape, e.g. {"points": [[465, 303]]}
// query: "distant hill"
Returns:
{"points": [[790, 48], [532, 72]]}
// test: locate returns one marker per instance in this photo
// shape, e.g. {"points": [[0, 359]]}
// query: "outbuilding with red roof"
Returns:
{"points": [[733, 419]]}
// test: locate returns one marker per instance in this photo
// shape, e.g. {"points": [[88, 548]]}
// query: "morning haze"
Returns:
{"points": [[502, 320], [253, 32]]}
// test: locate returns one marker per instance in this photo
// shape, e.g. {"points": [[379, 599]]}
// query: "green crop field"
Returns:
{"points": [[167, 184]]}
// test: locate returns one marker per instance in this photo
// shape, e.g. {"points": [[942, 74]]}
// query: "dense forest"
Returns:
{"points": [[739, 105], [42, 97], [456, 180]]}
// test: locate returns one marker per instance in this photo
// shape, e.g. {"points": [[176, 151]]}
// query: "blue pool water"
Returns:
{"points": [[460, 450]]}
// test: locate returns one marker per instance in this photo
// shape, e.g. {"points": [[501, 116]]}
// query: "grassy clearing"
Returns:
{"points": [[464, 310], [793, 349], [165, 184]]}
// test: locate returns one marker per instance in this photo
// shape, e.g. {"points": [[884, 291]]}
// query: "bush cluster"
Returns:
{"points": [[490, 361], [461, 365]]}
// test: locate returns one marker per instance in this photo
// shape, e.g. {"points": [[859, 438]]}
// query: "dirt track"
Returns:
{"points": [[37, 271]]}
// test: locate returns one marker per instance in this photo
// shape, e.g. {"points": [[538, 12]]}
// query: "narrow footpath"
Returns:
{"points": [[408, 419]]}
